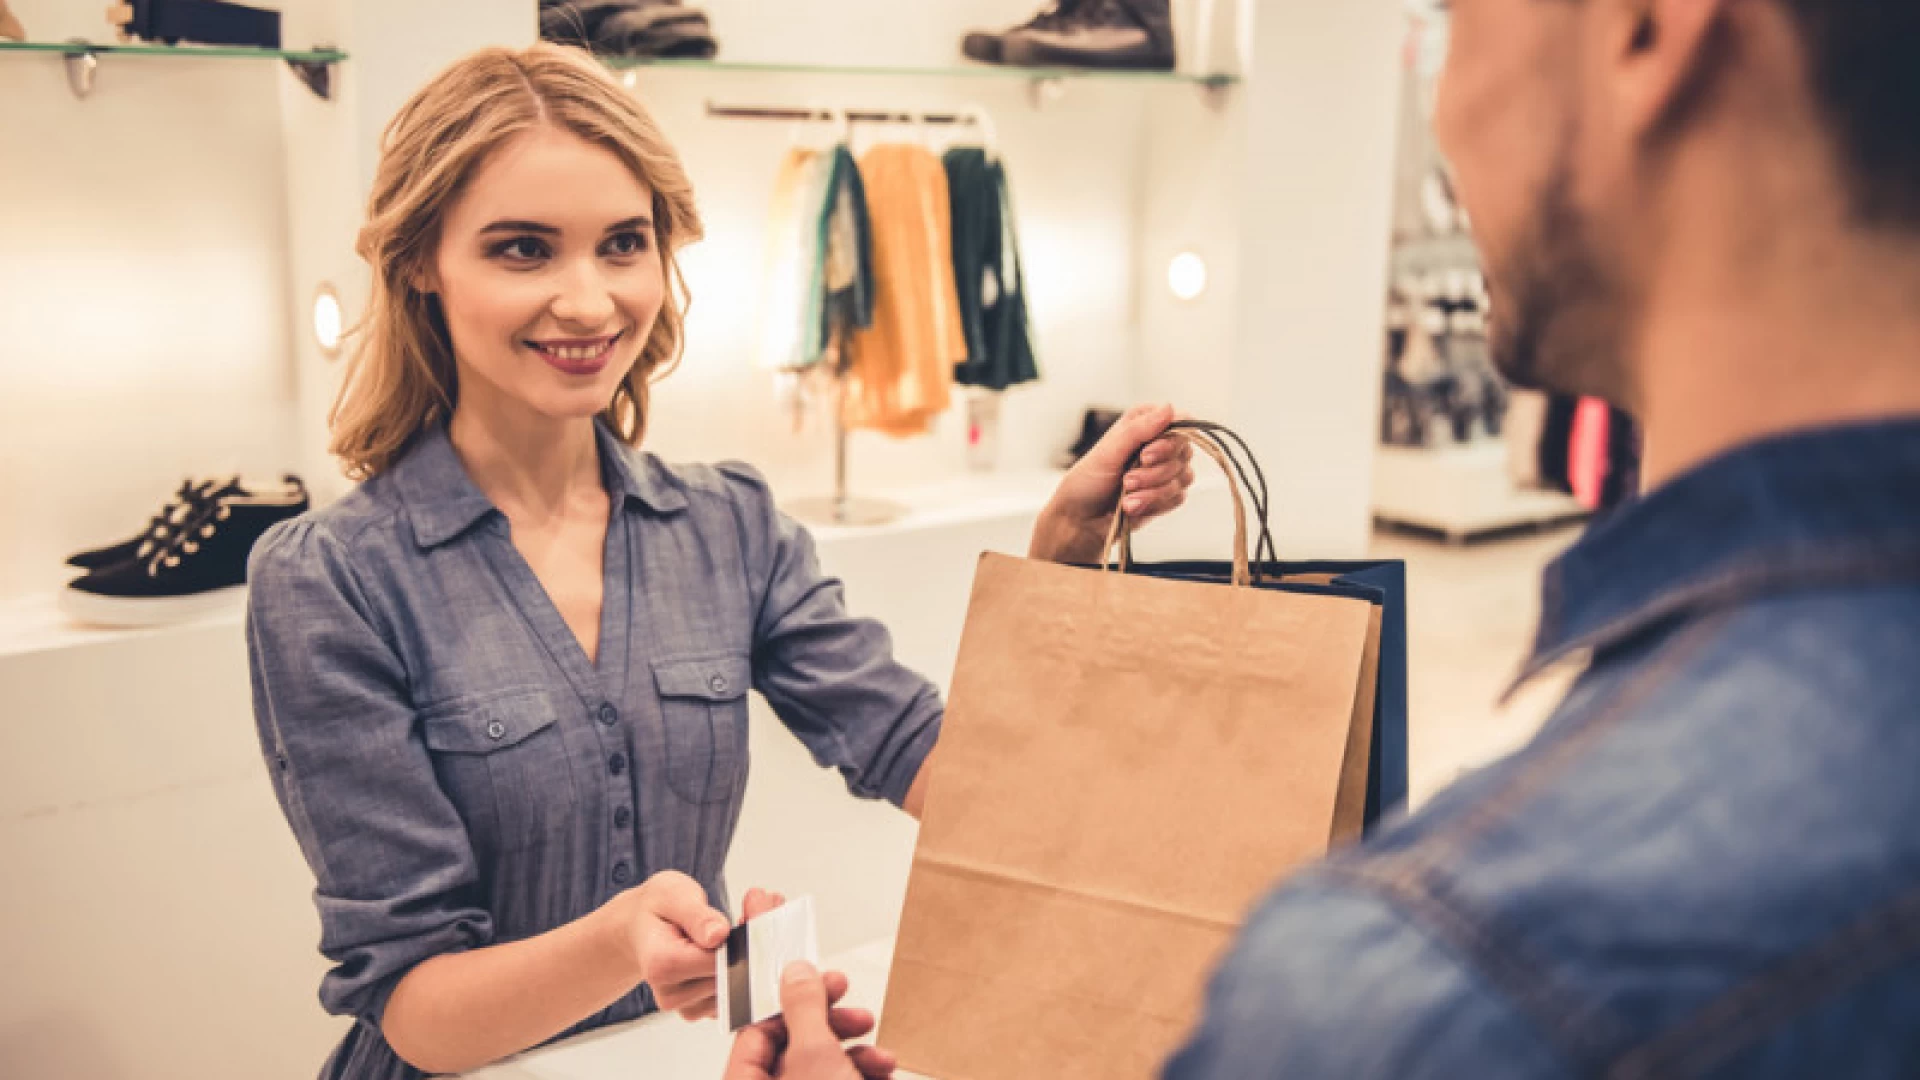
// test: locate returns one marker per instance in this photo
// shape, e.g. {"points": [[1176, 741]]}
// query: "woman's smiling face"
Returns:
{"points": [[549, 276]]}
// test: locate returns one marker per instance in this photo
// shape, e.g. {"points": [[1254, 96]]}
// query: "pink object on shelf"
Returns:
{"points": [[1587, 456]]}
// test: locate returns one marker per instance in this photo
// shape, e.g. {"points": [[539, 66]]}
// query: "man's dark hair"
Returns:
{"points": [[1865, 59]]}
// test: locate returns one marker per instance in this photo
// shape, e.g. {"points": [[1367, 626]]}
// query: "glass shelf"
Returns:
{"points": [[314, 67], [301, 56], [957, 71]]}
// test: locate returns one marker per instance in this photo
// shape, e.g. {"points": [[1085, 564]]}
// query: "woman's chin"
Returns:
{"points": [[573, 404]]}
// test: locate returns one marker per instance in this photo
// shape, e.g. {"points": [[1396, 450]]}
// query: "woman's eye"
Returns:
{"points": [[521, 249], [626, 244]]}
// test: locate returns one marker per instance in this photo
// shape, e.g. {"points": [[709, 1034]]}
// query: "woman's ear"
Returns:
{"points": [[424, 278]]}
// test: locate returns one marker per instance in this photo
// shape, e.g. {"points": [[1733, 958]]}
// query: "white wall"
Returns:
{"points": [[142, 290], [1315, 206]]}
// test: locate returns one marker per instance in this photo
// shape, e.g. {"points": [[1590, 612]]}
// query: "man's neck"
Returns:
{"points": [[1834, 339]]}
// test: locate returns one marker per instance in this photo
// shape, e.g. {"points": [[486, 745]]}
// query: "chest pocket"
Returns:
{"points": [[703, 700], [503, 761]]}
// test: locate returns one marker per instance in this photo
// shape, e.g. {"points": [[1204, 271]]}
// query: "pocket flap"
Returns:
{"points": [[485, 723], [707, 678]]}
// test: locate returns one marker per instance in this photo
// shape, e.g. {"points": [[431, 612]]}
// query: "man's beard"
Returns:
{"points": [[1557, 314]]}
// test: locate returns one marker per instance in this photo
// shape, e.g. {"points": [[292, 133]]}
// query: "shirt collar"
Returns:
{"points": [[444, 502], [1833, 506]]}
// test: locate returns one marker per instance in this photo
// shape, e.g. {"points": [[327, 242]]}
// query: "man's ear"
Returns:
{"points": [[1660, 51]]}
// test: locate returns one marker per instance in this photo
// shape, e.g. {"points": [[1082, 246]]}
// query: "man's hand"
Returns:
{"points": [[1074, 525], [803, 1043]]}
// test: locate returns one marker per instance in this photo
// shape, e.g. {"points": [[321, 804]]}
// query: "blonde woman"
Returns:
{"points": [[501, 686]]}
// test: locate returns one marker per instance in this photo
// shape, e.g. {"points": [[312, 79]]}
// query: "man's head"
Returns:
{"points": [[1604, 148]]}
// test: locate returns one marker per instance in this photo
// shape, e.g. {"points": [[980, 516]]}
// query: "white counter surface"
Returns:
{"points": [[668, 1048]]}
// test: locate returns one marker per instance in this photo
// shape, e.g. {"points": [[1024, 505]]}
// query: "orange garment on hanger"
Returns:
{"points": [[900, 371]]}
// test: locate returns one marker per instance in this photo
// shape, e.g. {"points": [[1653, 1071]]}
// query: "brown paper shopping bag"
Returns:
{"points": [[1127, 764]]}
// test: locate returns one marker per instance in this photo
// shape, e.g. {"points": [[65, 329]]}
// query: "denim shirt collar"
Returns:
{"points": [[443, 501], [1827, 507]]}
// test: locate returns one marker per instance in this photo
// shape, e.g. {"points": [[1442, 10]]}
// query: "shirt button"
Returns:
{"points": [[622, 818], [621, 873], [718, 684], [496, 730], [609, 714], [617, 764]]}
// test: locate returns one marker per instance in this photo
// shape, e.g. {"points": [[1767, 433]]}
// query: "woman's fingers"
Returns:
{"points": [[758, 902], [673, 961], [1165, 449], [694, 1000], [1148, 502], [679, 900]]}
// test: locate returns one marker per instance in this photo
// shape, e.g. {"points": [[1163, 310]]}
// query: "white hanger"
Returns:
{"points": [[983, 128]]}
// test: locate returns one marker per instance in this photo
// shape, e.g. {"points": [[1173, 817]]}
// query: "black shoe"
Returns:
{"points": [[203, 22], [645, 28], [199, 570], [656, 28], [185, 501], [1093, 427], [986, 47], [1134, 35]]}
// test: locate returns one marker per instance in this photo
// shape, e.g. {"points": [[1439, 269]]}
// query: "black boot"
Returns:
{"points": [[1114, 34], [986, 47]]}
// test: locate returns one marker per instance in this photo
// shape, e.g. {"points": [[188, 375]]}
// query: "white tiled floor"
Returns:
{"points": [[1471, 614]]}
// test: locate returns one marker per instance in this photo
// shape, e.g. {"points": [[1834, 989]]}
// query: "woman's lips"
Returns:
{"points": [[577, 356]]}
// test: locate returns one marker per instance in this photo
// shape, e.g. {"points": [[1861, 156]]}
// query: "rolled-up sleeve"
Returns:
{"points": [[394, 869], [830, 677]]}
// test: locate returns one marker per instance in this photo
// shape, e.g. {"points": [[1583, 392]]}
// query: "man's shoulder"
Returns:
{"points": [[1704, 809]]}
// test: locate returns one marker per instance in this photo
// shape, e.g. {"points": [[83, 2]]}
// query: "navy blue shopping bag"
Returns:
{"points": [[1381, 582]]}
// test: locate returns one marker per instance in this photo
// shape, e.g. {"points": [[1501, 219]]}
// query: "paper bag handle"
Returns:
{"points": [[1118, 534]]}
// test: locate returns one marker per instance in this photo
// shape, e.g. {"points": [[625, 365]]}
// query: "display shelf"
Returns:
{"points": [[1461, 492], [34, 623], [1213, 82], [1417, 255], [954, 71], [197, 52], [314, 67]]}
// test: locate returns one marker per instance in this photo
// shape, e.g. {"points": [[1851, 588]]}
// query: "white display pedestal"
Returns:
{"points": [[1461, 492]]}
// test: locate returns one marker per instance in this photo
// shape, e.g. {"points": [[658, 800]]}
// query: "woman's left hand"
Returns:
{"points": [[1073, 528]]}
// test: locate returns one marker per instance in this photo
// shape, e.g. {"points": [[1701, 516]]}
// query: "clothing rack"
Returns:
{"points": [[842, 508], [845, 116]]}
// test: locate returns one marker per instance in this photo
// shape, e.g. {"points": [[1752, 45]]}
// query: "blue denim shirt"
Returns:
{"points": [[458, 774], [1708, 861]]}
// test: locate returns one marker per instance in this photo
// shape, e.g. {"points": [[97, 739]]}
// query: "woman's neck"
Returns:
{"points": [[531, 467]]}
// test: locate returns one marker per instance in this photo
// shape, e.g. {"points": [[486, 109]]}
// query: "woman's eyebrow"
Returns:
{"points": [[521, 226]]}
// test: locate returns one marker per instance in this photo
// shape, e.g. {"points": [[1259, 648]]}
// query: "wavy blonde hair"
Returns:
{"points": [[401, 378]]}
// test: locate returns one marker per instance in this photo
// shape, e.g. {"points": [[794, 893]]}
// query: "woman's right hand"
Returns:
{"points": [[673, 932]]}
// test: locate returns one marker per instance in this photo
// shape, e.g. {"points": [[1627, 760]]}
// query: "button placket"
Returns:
{"points": [[621, 855]]}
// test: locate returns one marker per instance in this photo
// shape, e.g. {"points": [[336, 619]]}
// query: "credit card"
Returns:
{"points": [[748, 969]]}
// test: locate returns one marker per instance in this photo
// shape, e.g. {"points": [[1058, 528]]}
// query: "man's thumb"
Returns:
{"points": [[803, 1003]]}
